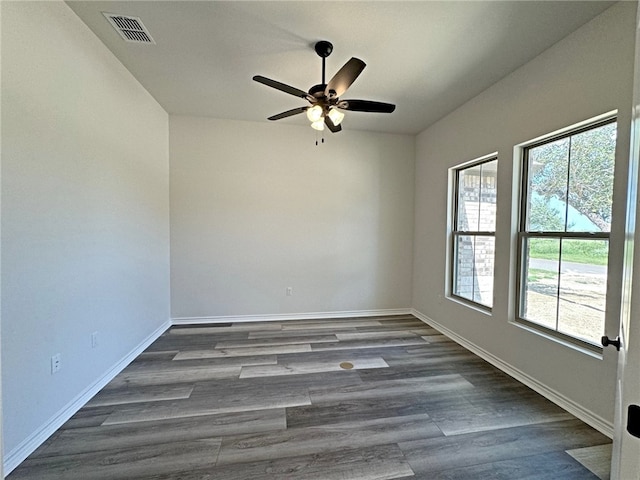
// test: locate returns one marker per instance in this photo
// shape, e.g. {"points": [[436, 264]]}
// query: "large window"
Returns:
{"points": [[564, 232], [473, 236]]}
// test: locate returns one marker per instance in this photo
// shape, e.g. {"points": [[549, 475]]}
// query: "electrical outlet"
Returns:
{"points": [[94, 339], [56, 363], [289, 291]]}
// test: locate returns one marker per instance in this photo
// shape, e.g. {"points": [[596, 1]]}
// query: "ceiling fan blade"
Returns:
{"points": [[344, 78], [366, 106], [329, 123], [288, 113], [281, 86]]}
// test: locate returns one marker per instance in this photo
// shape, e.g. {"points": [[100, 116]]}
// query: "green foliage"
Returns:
{"points": [[543, 217], [592, 252], [538, 275], [578, 170]]}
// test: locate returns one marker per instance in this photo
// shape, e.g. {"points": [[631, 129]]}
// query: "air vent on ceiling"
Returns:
{"points": [[129, 28]]}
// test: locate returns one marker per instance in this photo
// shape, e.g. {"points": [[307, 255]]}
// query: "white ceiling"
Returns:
{"points": [[426, 57]]}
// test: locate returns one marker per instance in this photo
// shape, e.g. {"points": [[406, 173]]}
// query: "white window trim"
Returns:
{"points": [[520, 190], [451, 233]]}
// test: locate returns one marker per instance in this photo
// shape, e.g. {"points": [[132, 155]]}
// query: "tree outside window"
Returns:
{"points": [[564, 234]]}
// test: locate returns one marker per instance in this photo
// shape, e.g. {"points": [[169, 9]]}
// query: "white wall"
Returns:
{"points": [[257, 207], [85, 215], [587, 74]]}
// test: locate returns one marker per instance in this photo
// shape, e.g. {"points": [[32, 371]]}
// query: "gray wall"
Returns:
{"points": [[257, 207], [585, 75], [85, 215]]}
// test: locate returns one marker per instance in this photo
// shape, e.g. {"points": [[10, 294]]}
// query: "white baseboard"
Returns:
{"points": [[590, 418], [31, 443], [289, 316]]}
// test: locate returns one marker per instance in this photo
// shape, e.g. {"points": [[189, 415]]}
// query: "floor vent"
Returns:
{"points": [[129, 28]]}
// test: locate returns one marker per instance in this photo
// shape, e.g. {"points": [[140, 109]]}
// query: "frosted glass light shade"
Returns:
{"points": [[318, 125], [336, 116], [315, 113]]}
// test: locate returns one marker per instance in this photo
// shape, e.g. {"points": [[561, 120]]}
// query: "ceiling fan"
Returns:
{"points": [[325, 97]]}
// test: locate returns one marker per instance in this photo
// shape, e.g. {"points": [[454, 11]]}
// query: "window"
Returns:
{"points": [[565, 221], [473, 236]]}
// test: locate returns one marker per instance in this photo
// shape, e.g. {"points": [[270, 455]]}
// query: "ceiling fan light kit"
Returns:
{"points": [[336, 116], [325, 97], [318, 125], [315, 113]]}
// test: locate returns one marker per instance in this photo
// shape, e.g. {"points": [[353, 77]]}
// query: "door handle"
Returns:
{"points": [[606, 341]]}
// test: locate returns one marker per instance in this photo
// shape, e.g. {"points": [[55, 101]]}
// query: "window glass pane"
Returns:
{"points": [[569, 197], [488, 192], [583, 288], [483, 270], [464, 266], [469, 199], [473, 253], [547, 166], [540, 285], [591, 179], [474, 268]]}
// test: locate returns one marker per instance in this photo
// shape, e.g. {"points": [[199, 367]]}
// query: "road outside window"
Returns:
{"points": [[564, 234]]}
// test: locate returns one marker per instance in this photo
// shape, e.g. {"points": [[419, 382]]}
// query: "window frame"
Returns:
{"points": [[455, 232], [523, 235]]}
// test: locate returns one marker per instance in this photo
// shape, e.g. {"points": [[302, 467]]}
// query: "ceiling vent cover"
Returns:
{"points": [[129, 28]]}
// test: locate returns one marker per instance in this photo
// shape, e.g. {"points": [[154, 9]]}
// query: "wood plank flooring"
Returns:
{"points": [[379, 398]]}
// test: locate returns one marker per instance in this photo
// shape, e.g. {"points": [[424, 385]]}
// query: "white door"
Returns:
{"points": [[625, 463]]}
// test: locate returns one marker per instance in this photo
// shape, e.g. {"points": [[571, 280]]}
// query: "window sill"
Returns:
{"points": [[474, 306], [595, 352]]}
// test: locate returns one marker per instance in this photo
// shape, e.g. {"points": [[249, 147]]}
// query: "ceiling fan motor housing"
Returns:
{"points": [[317, 91], [324, 48]]}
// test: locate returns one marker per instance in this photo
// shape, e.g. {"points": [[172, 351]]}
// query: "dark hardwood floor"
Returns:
{"points": [[344, 399]]}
